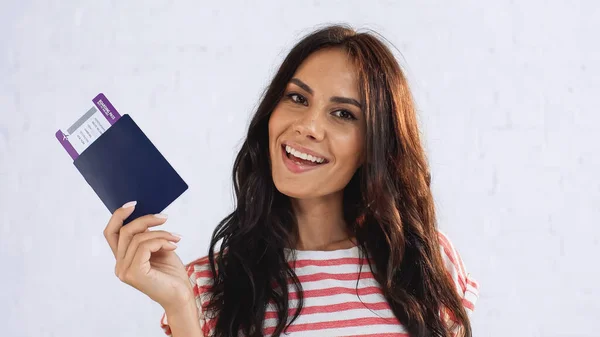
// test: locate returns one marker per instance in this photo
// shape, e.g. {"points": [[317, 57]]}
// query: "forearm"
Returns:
{"points": [[184, 321]]}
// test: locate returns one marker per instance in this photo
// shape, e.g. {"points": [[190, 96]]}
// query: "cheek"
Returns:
{"points": [[274, 127], [277, 126], [279, 122], [349, 148]]}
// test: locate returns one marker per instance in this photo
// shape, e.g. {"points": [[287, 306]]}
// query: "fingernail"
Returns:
{"points": [[130, 204], [161, 216], [177, 235], [173, 243]]}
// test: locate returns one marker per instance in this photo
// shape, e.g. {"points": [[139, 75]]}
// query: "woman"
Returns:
{"points": [[334, 230]]}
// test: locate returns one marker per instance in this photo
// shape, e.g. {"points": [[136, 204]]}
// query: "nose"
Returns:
{"points": [[310, 126]]}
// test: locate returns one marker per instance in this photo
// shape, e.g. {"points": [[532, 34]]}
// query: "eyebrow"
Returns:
{"points": [[335, 99]]}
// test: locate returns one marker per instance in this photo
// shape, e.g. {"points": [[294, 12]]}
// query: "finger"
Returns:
{"points": [[111, 232], [139, 225], [137, 240], [145, 250]]}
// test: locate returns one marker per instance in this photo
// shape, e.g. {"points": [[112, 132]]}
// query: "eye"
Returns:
{"points": [[297, 98], [344, 114]]}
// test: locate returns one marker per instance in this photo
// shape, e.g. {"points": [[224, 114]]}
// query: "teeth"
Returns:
{"points": [[304, 156]]}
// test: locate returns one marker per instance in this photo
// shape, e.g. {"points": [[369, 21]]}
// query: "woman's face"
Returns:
{"points": [[317, 130]]}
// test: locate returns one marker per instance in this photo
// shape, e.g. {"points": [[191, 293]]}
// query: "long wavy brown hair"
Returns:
{"points": [[388, 203]]}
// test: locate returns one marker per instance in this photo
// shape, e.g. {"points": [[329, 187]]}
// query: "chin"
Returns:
{"points": [[295, 191]]}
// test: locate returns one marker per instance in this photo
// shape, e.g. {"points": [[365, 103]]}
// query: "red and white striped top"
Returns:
{"points": [[333, 304]]}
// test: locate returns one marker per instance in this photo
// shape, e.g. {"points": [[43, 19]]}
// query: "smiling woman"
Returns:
{"points": [[318, 128], [333, 231]]}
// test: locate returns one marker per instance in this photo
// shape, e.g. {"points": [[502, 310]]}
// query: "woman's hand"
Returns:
{"points": [[146, 259]]}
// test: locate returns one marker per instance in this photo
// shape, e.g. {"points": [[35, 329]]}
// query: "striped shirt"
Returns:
{"points": [[341, 296]]}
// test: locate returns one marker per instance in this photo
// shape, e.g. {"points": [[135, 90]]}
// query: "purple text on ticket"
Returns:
{"points": [[107, 109], [62, 138]]}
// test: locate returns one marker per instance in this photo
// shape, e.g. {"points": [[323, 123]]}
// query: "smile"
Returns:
{"points": [[291, 151], [298, 161]]}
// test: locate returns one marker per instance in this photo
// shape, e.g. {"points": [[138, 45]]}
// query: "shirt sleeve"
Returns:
{"points": [[200, 277], [466, 286]]}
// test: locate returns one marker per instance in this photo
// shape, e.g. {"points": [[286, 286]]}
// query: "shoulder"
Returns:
{"points": [[199, 268], [201, 277], [466, 285]]}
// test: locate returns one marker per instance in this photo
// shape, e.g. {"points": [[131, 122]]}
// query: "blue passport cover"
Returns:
{"points": [[123, 165]]}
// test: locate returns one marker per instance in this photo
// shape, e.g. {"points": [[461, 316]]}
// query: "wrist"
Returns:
{"points": [[182, 300], [184, 320], [185, 303]]}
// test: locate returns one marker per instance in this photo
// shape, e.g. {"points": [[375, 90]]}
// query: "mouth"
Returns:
{"points": [[299, 161]]}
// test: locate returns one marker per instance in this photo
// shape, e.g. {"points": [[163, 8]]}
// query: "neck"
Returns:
{"points": [[321, 224]]}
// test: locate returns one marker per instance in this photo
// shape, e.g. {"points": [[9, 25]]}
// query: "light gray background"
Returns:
{"points": [[507, 93]]}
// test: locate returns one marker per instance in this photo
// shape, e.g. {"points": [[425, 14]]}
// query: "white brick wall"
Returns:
{"points": [[507, 94]]}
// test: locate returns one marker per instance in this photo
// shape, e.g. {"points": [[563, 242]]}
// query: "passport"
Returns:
{"points": [[120, 163]]}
